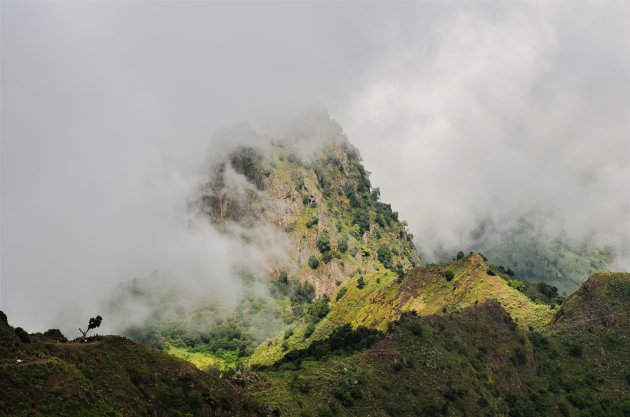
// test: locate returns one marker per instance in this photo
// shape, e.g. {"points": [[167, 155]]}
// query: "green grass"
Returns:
{"points": [[475, 361], [425, 291], [202, 360], [110, 376]]}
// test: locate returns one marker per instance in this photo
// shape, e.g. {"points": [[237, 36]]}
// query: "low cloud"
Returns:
{"points": [[491, 113], [465, 113]]}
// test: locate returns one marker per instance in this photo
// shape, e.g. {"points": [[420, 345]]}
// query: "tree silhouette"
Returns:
{"points": [[93, 324]]}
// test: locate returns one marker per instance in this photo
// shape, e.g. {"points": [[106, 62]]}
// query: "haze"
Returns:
{"points": [[463, 111]]}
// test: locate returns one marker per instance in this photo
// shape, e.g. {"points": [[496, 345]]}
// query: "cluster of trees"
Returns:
{"points": [[384, 255], [344, 340], [365, 208], [229, 340], [540, 292], [342, 244], [547, 290], [360, 283], [316, 311], [312, 221], [384, 214], [501, 269], [248, 161], [324, 247], [504, 270], [235, 336], [323, 242], [361, 217]]}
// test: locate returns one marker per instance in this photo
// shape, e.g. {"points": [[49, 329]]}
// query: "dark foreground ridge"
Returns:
{"points": [[473, 361], [46, 375]]}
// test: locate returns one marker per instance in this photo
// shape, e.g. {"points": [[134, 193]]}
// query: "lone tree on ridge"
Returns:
{"points": [[93, 324]]}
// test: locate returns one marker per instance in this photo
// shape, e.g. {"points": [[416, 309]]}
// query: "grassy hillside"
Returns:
{"points": [[474, 361], [476, 358], [377, 299], [41, 375]]}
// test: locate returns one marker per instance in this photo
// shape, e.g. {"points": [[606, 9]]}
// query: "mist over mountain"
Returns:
{"points": [[301, 209], [491, 128]]}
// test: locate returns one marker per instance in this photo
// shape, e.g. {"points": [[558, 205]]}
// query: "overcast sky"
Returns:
{"points": [[463, 111]]}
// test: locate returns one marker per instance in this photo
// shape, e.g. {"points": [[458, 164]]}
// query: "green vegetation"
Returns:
{"points": [[323, 242], [342, 341], [342, 244], [350, 325], [384, 255], [248, 161], [360, 283], [475, 361], [313, 262], [312, 222], [108, 376]]}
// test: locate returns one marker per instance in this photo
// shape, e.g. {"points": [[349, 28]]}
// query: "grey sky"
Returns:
{"points": [[462, 111]]}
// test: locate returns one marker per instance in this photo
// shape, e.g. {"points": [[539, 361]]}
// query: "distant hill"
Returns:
{"points": [[539, 255]]}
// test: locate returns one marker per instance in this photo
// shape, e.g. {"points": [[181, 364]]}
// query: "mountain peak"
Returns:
{"points": [[322, 200]]}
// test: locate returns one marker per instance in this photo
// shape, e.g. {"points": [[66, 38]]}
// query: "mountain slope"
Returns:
{"points": [[474, 361], [343, 313], [43, 375], [375, 300], [309, 208], [321, 198]]}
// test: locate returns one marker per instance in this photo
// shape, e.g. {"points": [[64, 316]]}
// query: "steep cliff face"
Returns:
{"points": [[320, 196]]}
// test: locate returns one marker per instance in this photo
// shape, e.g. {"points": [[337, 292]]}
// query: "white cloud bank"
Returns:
{"points": [[463, 111]]}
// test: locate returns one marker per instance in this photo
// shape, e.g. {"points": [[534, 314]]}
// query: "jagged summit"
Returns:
{"points": [[316, 191]]}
